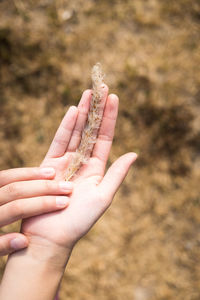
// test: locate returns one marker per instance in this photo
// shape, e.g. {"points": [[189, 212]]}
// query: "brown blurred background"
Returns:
{"points": [[147, 246]]}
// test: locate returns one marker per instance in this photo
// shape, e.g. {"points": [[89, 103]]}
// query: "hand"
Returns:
{"points": [[93, 192], [24, 193], [52, 236]]}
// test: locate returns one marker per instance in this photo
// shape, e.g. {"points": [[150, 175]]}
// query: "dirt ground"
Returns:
{"points": [[147, 246]]}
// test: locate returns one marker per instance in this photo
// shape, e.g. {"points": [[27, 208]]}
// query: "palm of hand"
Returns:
{"points": [[67, 226], [92, 193]]}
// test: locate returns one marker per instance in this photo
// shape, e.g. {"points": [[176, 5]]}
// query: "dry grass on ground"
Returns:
{"points": [[147, 245]]}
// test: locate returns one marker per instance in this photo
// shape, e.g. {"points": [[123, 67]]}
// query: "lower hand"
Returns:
{"points": [[52, 236], [24, 193]]}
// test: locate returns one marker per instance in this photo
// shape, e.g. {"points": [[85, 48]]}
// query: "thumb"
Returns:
{"points": [[116, 174], [12, 242]]}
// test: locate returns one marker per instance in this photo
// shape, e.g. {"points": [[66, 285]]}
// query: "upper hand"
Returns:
{"points": [[93, 192]]}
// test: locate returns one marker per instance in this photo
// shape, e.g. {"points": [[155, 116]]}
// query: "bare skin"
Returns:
{"points": [[53, 236], [27, 192]]}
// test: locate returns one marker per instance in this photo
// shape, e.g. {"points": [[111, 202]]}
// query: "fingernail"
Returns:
{"points": [[62, 201], [65, 185], [47, 171], [18, 243]]}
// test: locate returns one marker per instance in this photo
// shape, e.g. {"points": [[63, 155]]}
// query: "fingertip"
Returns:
{"points": [[126, 160], [73, 109], [130, 156], [19, 242], [112, 104], [114, 97], [133, 156], [70, 116], [87, 92], [85, 101]]}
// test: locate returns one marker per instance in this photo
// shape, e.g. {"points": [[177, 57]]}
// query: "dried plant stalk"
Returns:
{"points": [[90, 131]]}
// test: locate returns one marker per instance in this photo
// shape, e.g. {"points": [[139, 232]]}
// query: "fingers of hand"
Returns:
{"points": [[106, 132], [83, 109], [21, 174], [27, 189], [24, 208], [12, 242], [115, 175], [63, 134]]}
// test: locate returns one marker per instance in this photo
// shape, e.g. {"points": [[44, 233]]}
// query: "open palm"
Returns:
{"points": [[93, 192]]}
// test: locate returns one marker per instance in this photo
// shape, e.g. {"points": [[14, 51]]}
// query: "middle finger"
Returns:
{"points": [[33, 188]]}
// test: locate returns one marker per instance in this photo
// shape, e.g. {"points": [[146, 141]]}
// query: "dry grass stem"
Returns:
{"points": [[89, 134]]}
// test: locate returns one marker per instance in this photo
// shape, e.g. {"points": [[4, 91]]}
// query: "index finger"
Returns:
{"points": [[22, 174], [63, 134]]}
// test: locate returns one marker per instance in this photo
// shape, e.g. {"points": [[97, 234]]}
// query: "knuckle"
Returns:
{"points": [[35, 170], [46, 203], [16, 210], [30, 173], [77, 132], [13, 189], [60, 141], [48, 185], [104, 199]]}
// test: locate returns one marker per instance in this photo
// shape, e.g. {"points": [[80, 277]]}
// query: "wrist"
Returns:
{"points": [[48, 253], [41, 266]]}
